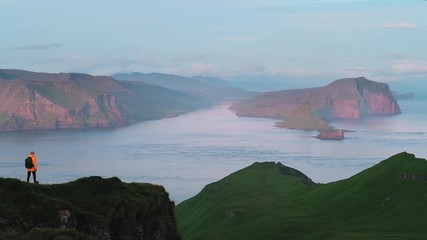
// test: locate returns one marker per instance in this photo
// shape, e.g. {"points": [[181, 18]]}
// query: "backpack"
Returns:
{"points": [[29, 162]]}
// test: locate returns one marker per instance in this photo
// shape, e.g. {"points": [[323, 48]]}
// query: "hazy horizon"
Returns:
{"points": [[270, 43]]}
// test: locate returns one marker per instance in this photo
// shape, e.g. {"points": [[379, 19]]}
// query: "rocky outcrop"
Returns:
{"points": [[350, 98], [31, 100], [336, 134], [285, 170], [88, 208]]}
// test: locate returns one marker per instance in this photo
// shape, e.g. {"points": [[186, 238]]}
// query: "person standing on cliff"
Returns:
{"points": [[32, 170]]}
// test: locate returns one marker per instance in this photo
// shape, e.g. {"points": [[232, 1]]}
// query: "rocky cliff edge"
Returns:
{"points": [[88, 208]]}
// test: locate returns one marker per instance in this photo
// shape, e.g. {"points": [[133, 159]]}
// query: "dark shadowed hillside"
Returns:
{"points": [[270, 201], [88, 208], [30, 100]]}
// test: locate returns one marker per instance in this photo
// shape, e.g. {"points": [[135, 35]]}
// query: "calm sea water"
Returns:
{"points": [[188, 152]]}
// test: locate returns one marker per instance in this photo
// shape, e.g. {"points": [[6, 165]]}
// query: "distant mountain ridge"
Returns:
{"points": [[213, 88], [350, 98], [386, 201], [30, 100]]}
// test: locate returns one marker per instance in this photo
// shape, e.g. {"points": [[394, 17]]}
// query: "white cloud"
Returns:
{"points": [[303, 73], [386, 78], [411, 68], [395, 56], [81, 63], [399, 26], [197, 57], [253, 67], [356, 71], [255, 70], [196, 69], [201, 68], [38, 47]]}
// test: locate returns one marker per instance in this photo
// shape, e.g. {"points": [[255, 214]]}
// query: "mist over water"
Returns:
{"points": [[188, 152]]}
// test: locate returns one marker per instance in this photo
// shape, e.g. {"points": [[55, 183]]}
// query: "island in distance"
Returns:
{"points": [[313, 108]]}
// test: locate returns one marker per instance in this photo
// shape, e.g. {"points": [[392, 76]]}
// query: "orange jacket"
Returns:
{"points": [[33, 169]]}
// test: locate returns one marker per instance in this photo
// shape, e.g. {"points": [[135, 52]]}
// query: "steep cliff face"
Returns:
{"points": [[31, 100], [358, 97], [88, 208], [27, 107], [351, 98]]}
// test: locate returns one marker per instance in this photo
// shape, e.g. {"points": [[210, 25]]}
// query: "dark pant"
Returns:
{"points": [[34, 176]]}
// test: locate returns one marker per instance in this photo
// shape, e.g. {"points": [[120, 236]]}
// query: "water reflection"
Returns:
{"points": [[188, 152]]}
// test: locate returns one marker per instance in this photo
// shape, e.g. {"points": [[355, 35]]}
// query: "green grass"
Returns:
{"points": [[259, 202]]}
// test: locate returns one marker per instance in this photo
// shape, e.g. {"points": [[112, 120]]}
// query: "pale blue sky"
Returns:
{"points": [[281, 40]]}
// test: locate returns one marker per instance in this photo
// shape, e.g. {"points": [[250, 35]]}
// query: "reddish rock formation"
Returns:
{"points": [[31, 100], [337, 134], [49, 101], [350, 98]]}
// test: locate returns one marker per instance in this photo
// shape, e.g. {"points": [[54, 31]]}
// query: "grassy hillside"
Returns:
{"points": [[386, 201]]}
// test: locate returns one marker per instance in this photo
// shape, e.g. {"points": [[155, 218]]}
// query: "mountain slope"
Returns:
{"points": [[30, 100], [386, 201], [212, 88], [390, 194], [154, 102]]}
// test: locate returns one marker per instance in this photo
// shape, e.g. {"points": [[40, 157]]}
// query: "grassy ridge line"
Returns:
{"points": [[386, 201], [239, 199]]}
